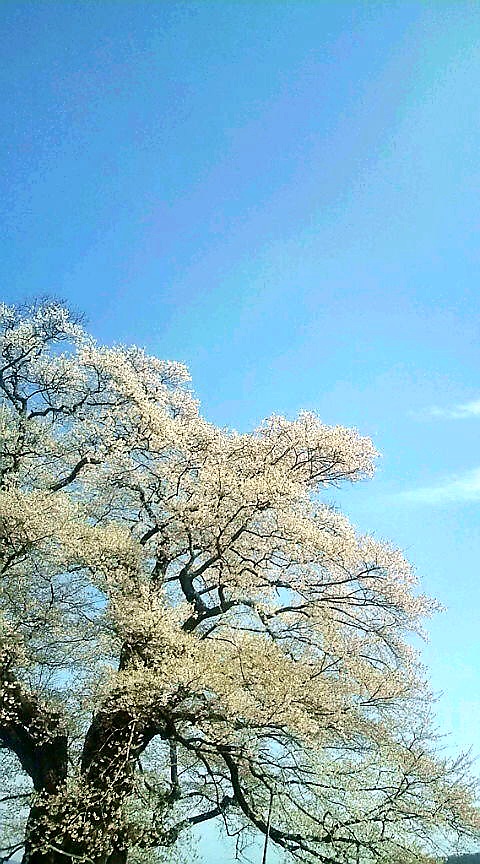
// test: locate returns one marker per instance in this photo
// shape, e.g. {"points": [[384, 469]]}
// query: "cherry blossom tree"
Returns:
{"points": [[188, 632]]}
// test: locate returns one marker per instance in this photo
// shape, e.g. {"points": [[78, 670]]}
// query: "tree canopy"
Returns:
{"points": [[190, 632]]}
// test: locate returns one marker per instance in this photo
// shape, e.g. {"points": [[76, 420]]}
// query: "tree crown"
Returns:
{"points": [[189, 632]]}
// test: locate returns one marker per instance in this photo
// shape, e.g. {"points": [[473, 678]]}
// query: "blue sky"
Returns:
{"points": [[284, 195]]}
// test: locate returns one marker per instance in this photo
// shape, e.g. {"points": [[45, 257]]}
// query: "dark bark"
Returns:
{"points": [[118, 857], [34, 833], [62, 857], [37, 738], [61, 854], [112, 746], [107, 742]]}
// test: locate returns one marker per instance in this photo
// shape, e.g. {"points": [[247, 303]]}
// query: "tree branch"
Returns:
{"points": [[85, 460]]}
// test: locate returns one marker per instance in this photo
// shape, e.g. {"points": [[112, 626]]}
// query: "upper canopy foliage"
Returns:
{"points": [[188, 632]]}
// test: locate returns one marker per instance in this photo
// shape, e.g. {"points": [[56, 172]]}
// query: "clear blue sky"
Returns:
{"points": [[285, 195]]}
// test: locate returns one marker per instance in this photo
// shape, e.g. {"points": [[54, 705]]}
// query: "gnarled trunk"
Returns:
{"points": [[35, 835], [58, 834], [49, 853]]}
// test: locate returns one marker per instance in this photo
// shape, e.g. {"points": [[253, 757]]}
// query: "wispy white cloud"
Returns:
{"points": [[457, 412], [460, 488]]}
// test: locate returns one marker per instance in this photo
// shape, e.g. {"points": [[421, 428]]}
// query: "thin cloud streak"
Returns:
{"points": [[458, 412], [460, 489]]}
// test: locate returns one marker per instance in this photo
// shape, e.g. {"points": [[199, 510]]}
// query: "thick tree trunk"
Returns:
{"points": [[112, 745], [39, 740], [35, 834], [118, 857], [62, 848]]}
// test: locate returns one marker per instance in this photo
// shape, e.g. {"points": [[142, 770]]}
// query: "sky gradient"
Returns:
{"points": [[285, 196]]}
